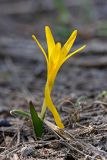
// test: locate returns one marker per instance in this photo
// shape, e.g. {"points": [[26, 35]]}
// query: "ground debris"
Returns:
{"points": [[85, 139]]}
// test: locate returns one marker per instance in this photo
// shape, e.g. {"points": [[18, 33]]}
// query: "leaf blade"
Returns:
{"points": [[36, 121]]}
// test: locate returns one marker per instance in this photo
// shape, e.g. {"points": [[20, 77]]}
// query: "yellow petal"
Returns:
{"points": [[52, 108], [55, 53], [40, 46], [52, 75], [73, 53], [68, 45], [53, 63], [50, 40]]}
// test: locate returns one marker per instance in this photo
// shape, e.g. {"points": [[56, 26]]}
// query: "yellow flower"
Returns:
{"points": [[56, 56]]}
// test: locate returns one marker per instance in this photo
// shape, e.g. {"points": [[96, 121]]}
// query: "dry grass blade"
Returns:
{"points": [[81, 148]]}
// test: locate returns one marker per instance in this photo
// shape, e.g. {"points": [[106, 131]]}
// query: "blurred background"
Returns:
{"points": [[22, 66]]}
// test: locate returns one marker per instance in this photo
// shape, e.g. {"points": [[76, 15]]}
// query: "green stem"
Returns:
{"points": [[43, 111]]}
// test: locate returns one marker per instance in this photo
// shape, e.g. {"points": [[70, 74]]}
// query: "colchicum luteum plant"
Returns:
{"points": [[55, 57]]}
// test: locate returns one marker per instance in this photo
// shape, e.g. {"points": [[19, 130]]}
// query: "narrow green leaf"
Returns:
{"points": [[19, 112], [36, 121]]}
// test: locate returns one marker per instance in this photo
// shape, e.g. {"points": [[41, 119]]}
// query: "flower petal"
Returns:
{"points": [[40, 46], [70, 42], [54, 57], [50, 40], [52, 108], [53, 63], [73, 53]]}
